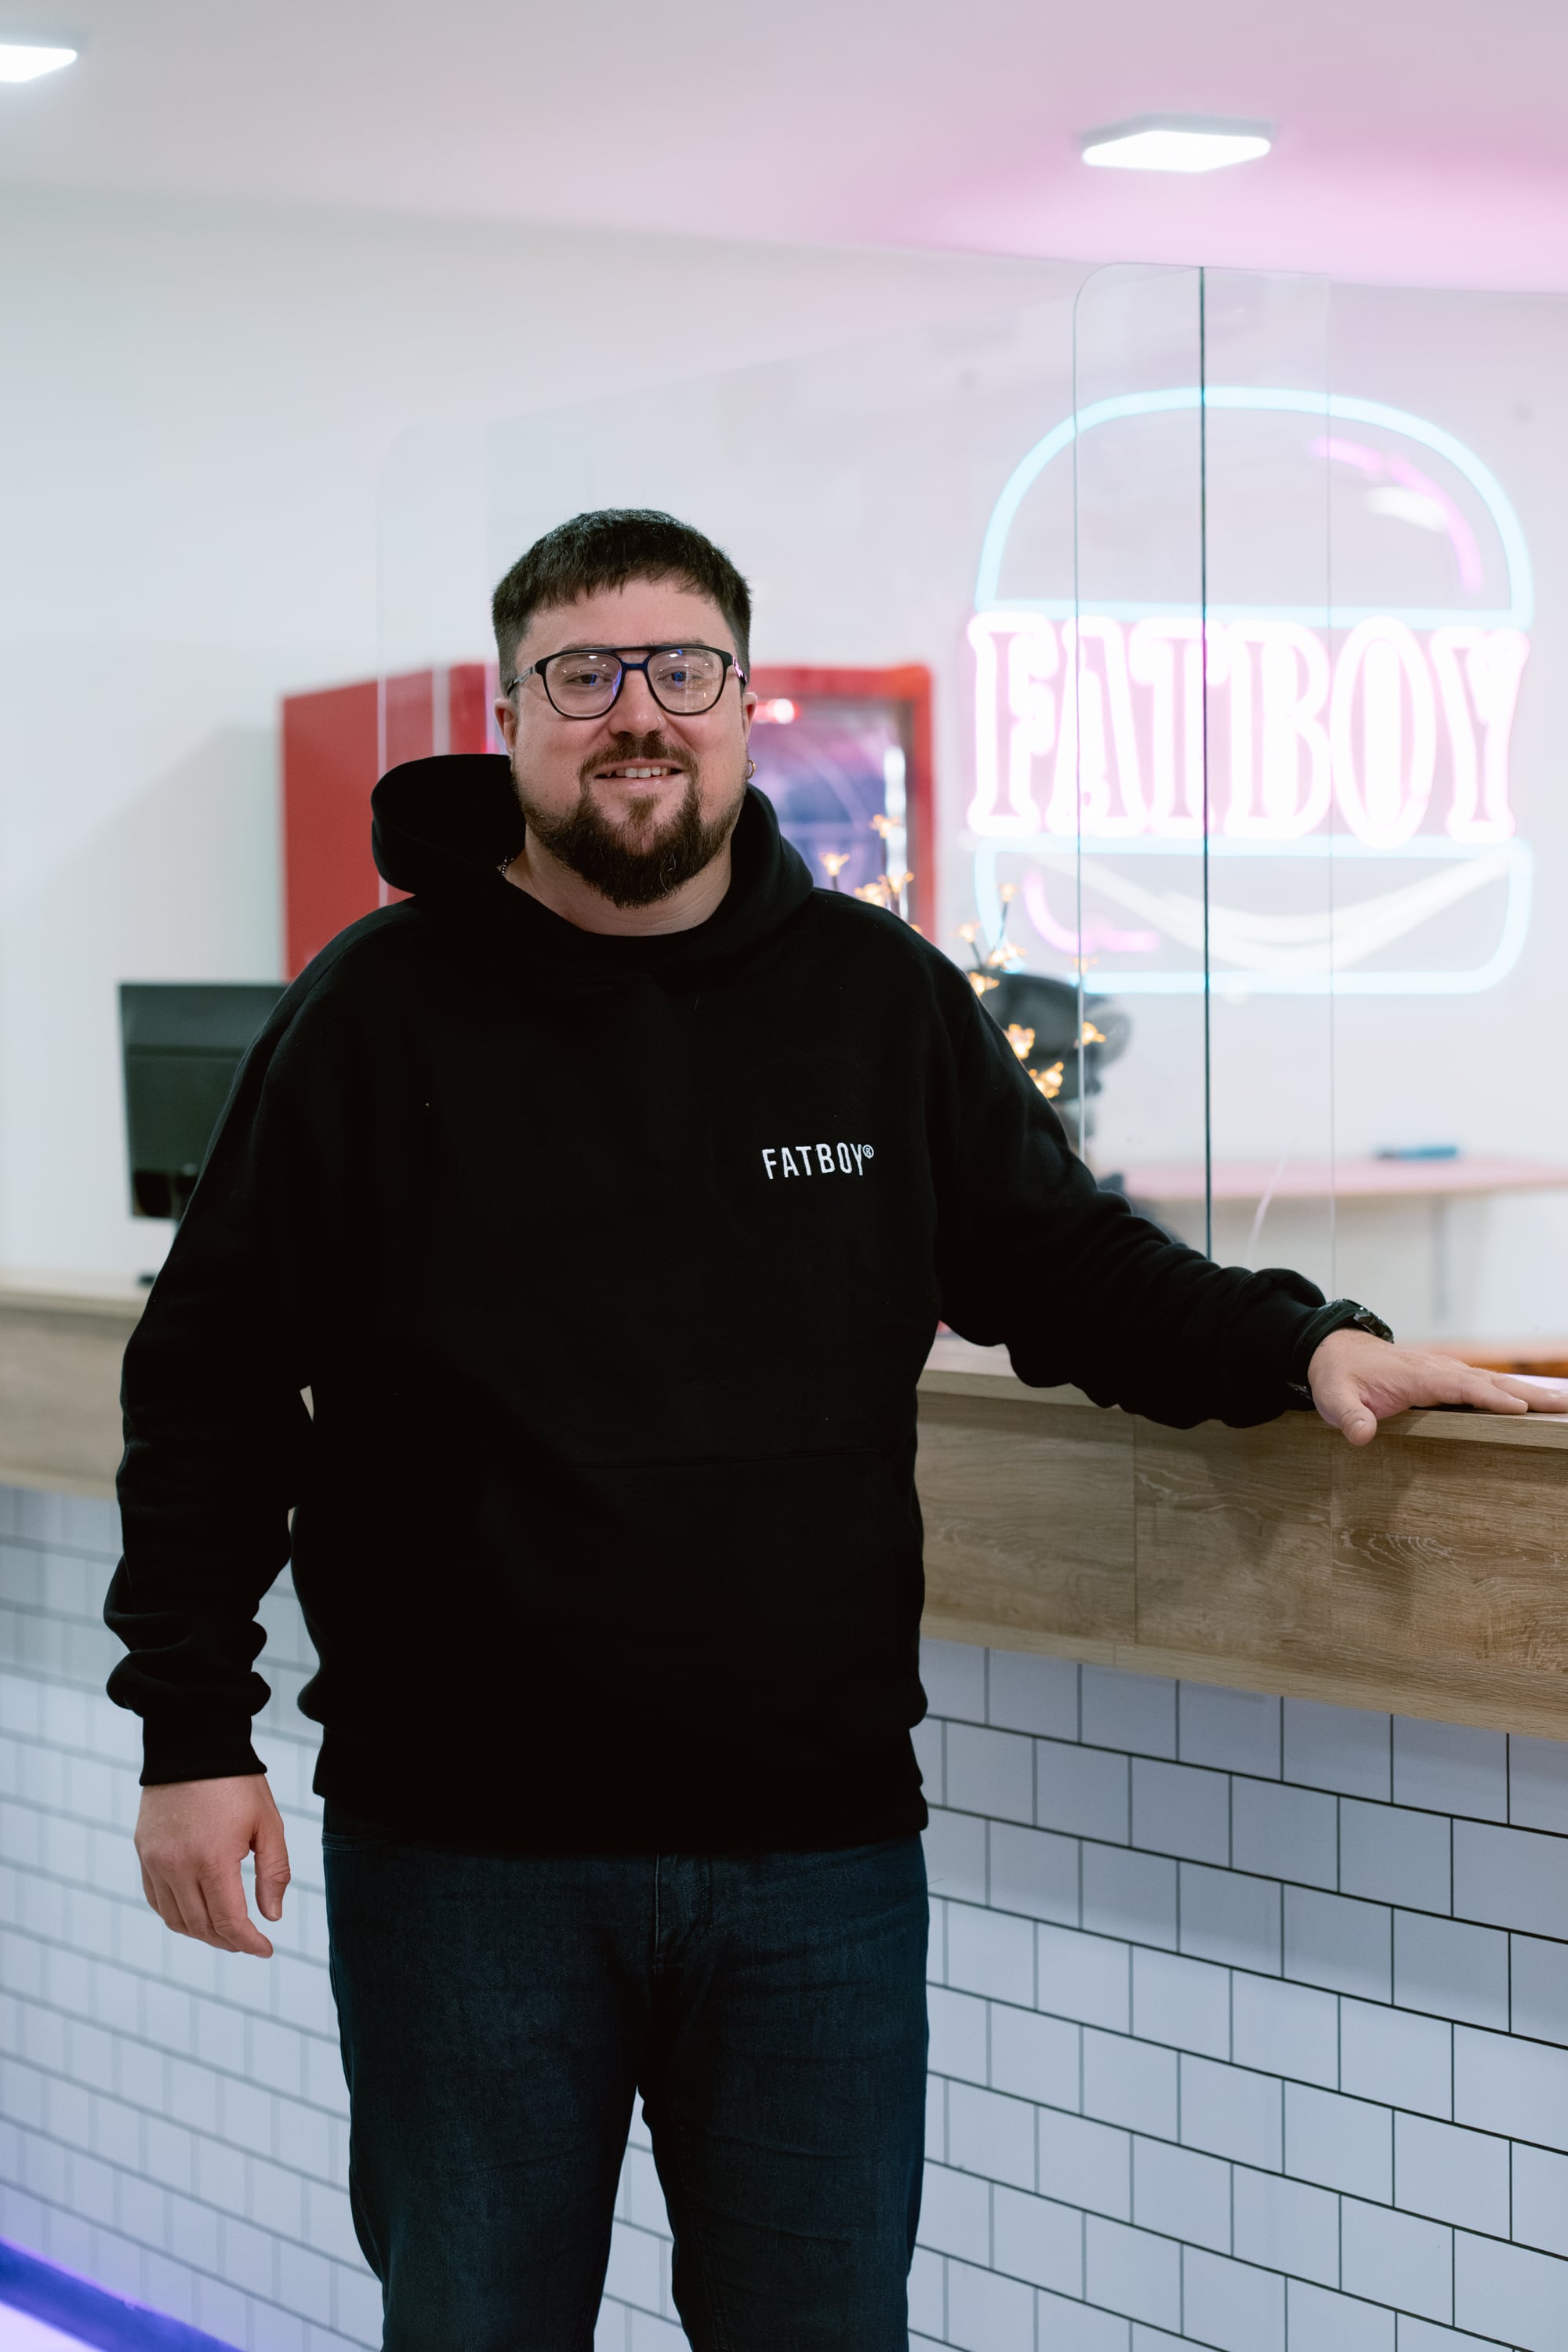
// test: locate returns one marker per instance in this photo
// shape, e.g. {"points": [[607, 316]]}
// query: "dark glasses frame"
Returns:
{"points": [[618, 655]]}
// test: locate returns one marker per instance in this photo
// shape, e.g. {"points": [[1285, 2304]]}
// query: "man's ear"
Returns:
{"points": [[506, 720]]}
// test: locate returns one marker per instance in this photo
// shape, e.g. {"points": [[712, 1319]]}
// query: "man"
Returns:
{"points": [[605, 1196]]}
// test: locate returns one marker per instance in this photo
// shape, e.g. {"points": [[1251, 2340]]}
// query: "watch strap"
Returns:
{"points": [[1339, 1314]]}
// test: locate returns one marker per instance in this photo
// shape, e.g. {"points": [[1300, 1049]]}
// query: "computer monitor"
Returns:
{"points": [[183, 1042]]}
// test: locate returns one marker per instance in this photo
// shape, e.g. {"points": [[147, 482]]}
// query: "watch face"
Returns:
{"points": [[1365, 1321]]}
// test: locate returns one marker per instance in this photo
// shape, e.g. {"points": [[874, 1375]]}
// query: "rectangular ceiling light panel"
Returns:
{"points": [[1176, 142], [26, 60]]}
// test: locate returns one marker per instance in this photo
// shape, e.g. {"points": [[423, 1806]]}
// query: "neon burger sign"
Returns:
{"points": [[1105, 728]]}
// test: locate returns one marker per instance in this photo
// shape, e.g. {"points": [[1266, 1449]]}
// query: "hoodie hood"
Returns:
{"points": [[444, 824], [442, 828]]}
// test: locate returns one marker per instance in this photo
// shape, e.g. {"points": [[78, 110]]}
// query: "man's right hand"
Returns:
{"points": [[191, 1838]]}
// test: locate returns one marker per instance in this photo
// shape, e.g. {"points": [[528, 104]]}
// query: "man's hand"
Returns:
{"points": [[1357, 1381], [191, 1838]]}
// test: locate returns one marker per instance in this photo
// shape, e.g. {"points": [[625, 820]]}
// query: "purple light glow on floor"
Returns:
{"points": [[20, 2333], [45, 2309]]}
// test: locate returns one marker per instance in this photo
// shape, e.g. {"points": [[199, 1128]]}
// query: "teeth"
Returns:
{"points": [[636, 775]]}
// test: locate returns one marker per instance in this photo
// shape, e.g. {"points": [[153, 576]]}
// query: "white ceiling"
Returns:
{"points": [[1417, 140]]}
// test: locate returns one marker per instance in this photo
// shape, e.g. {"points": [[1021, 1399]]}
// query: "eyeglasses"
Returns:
{"points": [[583, 683]]}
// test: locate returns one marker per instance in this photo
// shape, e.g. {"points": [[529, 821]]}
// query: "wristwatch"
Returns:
{"points": [[1364, 1319], [1339, 1314]]}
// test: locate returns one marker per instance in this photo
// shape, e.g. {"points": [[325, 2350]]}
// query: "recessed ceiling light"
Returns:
{"points": [[26, 60], [1178, 143]]}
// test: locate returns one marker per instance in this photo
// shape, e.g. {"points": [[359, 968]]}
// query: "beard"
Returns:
{"points": [[641, 861]]}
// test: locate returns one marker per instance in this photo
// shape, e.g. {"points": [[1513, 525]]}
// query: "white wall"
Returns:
{"points": [[194, 406]]}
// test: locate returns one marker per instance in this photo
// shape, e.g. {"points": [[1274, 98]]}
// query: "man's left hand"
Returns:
{"points": [[1357, 1381]]}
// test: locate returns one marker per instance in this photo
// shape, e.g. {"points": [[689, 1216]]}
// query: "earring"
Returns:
{"points": [[751, 770]]}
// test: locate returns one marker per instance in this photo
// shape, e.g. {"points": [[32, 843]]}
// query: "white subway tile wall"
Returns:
{"points": [[1298, 2060], [1249, 2019], [173, 2120]]}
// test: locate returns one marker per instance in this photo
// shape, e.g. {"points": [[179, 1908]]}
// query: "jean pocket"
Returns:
{"points": [[346, 1833]]}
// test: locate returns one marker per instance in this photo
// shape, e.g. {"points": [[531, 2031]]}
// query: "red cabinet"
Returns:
{"points": [[827, 732], [336, 744]]}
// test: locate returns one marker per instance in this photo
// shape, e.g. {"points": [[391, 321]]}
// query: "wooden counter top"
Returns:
{"points": [[955, 1369], [1426, 1573]]}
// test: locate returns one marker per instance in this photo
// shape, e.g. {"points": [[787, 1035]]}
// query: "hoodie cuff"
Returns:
{"points": [[1336, 1316], [197, 1748]]}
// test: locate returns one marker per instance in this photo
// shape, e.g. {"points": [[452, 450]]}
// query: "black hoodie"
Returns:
{"points": [[611, 1265]]}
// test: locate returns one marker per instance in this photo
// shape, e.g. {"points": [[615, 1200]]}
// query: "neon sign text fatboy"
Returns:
{"points": [[1098, 725]]}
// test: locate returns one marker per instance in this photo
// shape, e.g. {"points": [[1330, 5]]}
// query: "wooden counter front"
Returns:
{"points": [[1426, 1573], [59, 1386]]}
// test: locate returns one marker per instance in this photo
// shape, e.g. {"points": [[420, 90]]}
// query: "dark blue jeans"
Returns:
{"points": [[500, 2011]]}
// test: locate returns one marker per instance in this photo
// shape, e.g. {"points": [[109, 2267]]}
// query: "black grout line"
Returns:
{"points": [[1339, 2245], [1286, 2299], [1231, 2249], [1339, 1845], [1230, 1821]]}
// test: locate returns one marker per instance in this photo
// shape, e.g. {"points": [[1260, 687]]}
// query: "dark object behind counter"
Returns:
{"points": [[1028, 1000], [183, 1042]]}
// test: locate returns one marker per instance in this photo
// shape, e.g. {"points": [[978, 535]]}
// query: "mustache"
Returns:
{"points": [[634, 749]]}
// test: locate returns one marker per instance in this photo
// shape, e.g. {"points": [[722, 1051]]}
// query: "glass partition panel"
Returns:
{"points": [[1204, 841], [1448, 1150], [1095, 530], [988, 565], [1180, 683], [853, 489], [1133, 760], [1274, 879]]}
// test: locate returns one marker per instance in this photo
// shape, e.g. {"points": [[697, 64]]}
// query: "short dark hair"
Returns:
{"points": [[606, 550]]}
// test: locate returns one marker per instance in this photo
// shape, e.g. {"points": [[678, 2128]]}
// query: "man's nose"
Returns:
{"points": [[637, 708]]}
